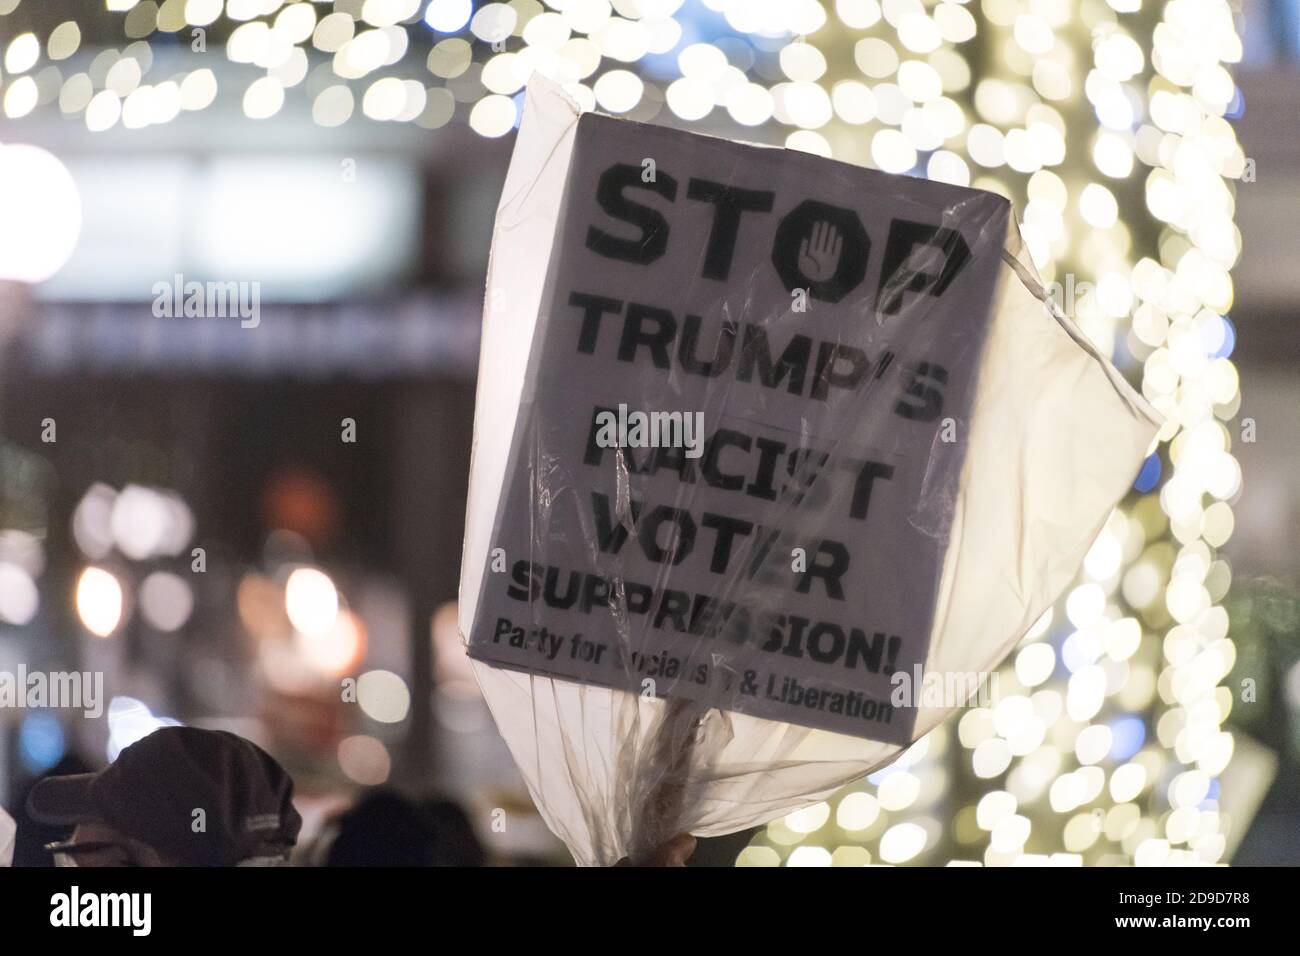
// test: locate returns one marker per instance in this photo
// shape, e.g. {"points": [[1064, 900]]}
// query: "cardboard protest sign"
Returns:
{"points": [[766, 437], [733, 414]]}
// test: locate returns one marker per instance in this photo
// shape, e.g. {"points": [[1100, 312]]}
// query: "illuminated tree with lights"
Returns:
{"points": [[1103, 122], [1105, 125]]}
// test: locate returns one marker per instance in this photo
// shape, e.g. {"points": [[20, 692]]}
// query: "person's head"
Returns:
{"points": [[385, 829], [179, 797]]}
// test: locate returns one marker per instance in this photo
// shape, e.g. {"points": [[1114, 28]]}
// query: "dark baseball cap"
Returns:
{"points": [[152, 791]]}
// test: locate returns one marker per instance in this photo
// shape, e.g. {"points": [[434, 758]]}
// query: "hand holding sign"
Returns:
{"points": [[697, 639]]}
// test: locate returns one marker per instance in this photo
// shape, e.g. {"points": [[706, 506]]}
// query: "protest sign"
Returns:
{"points": [[728, 472], [764, 436]]}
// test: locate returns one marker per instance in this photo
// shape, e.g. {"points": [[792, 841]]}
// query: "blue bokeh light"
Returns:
{"points": [[1128, 734], [40, 742], [1229, 338], [1149, 476]]}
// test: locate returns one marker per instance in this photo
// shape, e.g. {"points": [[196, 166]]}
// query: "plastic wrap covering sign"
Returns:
{"points": [[8, 831], [729, 479], [736, 427]]}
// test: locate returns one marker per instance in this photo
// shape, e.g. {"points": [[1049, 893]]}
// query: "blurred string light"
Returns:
{"points": [[99, 601], [1107, 740], [311, 601], [22, 561], [147, 523], [383, 696], [307, 639], [166, 601], [419, 61], [1104, 122], [364, 760], [306, 636], [139, 524], [23, 538], [337, 650], [41, 203]]}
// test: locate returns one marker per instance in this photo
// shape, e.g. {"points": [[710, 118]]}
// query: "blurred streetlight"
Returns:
{"points": [[40, 213]]}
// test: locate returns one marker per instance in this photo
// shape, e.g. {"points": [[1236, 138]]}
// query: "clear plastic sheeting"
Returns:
{"points": [[8, 833], [762, 442]]}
